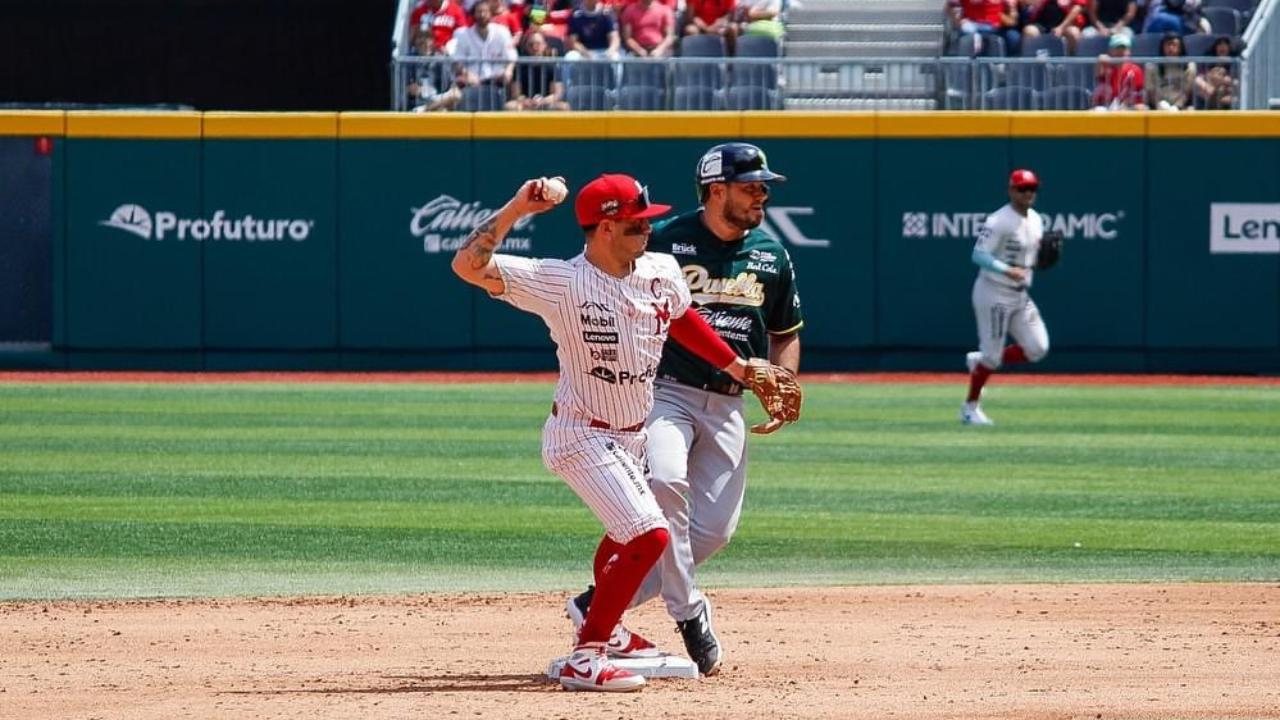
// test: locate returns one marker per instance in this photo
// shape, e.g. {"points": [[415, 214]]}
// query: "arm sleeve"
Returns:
{"points": [[693, 332], [985, 260], [984, 248]]}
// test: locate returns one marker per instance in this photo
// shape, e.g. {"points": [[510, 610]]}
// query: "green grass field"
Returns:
{"points": [[120, 490]]}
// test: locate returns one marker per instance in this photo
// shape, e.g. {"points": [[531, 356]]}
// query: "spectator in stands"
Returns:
{"points": [[485, 51], [1120, 80], [1180, 16], [761, 17], [509, 16], [429, 88], [711, 17], [1216, 88], [443, 17], [593, 33], [536, 86], [1108, 17], [1064, 18], [551, 17], [987, 17], [648, 28], [1170, 81]]}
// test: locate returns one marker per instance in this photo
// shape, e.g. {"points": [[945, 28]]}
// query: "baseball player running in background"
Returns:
{"points": [[609, 311], [1006, 251], [742, 282]]}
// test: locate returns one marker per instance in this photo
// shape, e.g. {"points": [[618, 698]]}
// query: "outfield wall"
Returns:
{"points": [[240, 241]]}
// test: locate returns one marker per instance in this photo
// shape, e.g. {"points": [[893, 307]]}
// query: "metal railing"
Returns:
{"points": [[711, 84], [1260, 73]]}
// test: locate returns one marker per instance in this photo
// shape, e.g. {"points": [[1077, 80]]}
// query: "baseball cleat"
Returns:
{"points": [[971, 414], [622, 642], [589, 669], [971, 360], [701, 641]]}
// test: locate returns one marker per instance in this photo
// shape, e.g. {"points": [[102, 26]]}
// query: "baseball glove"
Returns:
{"points": [[1050, 250], [779, 393]]}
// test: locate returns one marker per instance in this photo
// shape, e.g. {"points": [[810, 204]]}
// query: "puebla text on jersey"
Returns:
{"points": [[745, 289]]}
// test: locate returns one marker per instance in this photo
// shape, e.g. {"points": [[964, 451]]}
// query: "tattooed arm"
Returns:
{"points": [[474, 260]]}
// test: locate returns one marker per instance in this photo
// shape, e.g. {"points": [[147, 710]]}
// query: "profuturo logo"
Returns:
{"points": [[135, 219], [131, 219]]}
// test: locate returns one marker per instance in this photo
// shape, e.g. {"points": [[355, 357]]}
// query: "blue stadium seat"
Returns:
{"points": [[1146, 45], [1223, 20], [1198, 45], [640, 97], [1012, 97], [750, 97], [587, 97], [695, 97], [1064, 97], [482, 98], [646, 73]]}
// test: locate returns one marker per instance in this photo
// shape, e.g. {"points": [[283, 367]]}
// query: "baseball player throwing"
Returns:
{"points": [[1006, 252], [742, 282], [609, 311]]}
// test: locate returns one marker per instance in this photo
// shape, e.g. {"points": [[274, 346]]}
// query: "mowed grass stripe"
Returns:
{"points": [[1105, 498], [417, 484]]}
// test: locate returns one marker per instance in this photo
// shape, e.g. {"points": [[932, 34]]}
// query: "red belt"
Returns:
{"points": [[602, 425]]}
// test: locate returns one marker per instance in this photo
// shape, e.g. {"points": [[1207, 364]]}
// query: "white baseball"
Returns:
{"points": [[555, 190]]}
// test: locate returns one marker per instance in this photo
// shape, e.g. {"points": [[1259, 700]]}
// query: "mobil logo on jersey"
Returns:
{"points": [[221, 225], [1244, 228], [965, 225], [444, 223]]}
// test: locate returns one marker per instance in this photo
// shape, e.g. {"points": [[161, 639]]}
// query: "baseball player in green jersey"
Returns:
{"points": [[742, 282]]}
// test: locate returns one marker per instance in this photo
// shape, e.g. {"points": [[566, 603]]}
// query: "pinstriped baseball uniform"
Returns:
{"points": [[609, 334], [1002, 305]]}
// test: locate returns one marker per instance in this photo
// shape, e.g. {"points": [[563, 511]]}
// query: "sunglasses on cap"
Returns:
{"points": [[1026, 188]]}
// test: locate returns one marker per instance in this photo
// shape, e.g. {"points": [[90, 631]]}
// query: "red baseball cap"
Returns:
{"points": [[1023, 178], [614, 197]]}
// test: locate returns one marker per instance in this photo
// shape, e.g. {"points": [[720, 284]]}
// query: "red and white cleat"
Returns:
{"points": [[588, 669]]}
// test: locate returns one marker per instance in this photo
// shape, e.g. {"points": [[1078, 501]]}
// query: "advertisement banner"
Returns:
{"points": [[1093, 298], [268, 229], [1213, 281], [133, 277], [404, 208], [933, 195]]}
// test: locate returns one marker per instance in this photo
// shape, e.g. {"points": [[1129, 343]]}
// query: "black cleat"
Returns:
{"points": [[701, 641], [578, 606]]}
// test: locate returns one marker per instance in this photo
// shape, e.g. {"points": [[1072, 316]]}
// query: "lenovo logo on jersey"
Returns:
{"points": [[1090, 226], [445, 222], [135, 220], [1244, 228], [600, 338]]}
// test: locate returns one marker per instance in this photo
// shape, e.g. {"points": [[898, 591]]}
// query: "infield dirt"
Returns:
{"points": [[987, 651]]}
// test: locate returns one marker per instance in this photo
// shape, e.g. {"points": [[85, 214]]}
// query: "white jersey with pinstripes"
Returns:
{"points": [[608, 331], [609, 334]]}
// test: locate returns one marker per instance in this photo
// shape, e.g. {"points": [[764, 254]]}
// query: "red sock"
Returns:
{"points": [[604, 554], [977, 379], [1012, 355], [618, 579]]}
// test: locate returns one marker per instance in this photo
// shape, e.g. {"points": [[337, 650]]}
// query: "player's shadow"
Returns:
{"points": [[459, 683]]}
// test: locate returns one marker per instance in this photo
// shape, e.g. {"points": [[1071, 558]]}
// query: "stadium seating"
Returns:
{"points": [[1146, 45], [695, 97], [588, 97], [482, 98], [1223, 20], [750, 97], [641, 97], [1010, 97], [1064, 97]]}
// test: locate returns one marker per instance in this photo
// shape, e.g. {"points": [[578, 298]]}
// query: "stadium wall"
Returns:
{"points": [[322, 240]]}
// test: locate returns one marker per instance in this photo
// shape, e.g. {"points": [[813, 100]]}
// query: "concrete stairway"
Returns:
{"points": [[867, 36]]}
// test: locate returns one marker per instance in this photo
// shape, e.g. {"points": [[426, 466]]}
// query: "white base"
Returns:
{"points": [[663, 666]]}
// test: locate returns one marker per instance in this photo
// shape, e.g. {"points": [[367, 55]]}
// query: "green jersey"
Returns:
{"points": [[745, 289]]}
